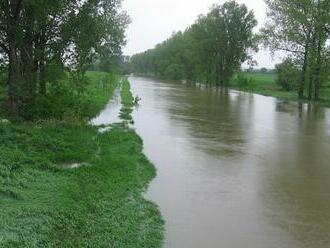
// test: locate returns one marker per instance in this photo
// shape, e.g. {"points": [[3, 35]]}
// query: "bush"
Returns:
{"points": [[243, 81], [75, 98], [288, 75]]}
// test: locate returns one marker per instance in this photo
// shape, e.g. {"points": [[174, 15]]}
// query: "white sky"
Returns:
{"points": [[153, 21]]}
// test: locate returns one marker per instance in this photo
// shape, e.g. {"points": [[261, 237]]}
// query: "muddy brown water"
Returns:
{"points": [[235, 170]]}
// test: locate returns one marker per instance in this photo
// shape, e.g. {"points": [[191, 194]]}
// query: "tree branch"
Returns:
{"points": [[289, 50]]}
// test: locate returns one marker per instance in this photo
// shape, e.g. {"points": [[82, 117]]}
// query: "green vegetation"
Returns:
{"points": [[288, 75], [45, 202], [267, 84], [41, 42], [302, 29], [62, 182], [213, 49], [69, 100], [210, 51], [261, 83], [127, 101]]}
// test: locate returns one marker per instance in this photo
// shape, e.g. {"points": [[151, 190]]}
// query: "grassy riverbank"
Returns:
{"points": [[264, 84], [45, 203], [127, 101]]}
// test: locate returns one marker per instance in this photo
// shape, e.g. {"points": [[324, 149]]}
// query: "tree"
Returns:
{"points": [[299, 27], [68, 34], [263, 70], [233, 28], [209, 51], [318, 51], [287, 75]]}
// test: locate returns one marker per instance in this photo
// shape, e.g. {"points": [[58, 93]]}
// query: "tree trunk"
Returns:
{"points": [[303, 73], [14, 80], [29, 77], [217, 74], [29, 70], [311, 67], [42, 80], [14, 75], [319, 34], [318, 71], [310, 87]]}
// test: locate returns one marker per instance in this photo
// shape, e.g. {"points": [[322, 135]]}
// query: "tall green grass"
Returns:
{"points": [[127, 101]]}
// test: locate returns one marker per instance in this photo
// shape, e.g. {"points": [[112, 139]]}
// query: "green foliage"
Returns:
{"points": [[301, 28], [210, 51], [44, 203], [243, 81], [266, 84], [40, 41], [75, 98], [174, 71], [127, 101], [288, 75]]}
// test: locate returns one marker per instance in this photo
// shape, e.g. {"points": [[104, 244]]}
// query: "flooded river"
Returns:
{"points": [[236, 170]]}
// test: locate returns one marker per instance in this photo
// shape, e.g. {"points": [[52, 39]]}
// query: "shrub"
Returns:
{"points": [[288, 75], [75, 97], [243, 81]]}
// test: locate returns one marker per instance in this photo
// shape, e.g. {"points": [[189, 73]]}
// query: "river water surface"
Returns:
{"points": [[235, 170]]}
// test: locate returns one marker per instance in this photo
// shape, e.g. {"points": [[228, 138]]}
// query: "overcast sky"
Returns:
{"points": [[153, 21]]}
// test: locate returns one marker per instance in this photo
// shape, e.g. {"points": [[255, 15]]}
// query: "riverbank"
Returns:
{"points": [[265, 84], [64, 184]]}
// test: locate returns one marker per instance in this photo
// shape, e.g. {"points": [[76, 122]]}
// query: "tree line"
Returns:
{"points": [[211, 50], [41, 40], [214, 48]]}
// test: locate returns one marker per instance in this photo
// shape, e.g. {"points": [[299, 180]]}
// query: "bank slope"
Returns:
{"points": [[44, 203]]}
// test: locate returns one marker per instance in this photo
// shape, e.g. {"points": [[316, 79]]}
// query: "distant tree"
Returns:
{"points": [[174, 71], [234, 37], [263, 70], [210, 51]]}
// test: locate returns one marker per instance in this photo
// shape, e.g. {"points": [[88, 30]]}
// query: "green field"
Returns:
{"points": [[265, 84], [263, 78], [46, 203]]}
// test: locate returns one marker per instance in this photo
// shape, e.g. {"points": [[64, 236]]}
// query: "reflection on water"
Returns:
{"points": [[236, 169], [298, 185]]}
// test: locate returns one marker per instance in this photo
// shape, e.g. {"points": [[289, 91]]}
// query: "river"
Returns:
{"points": [[235, 169]]}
